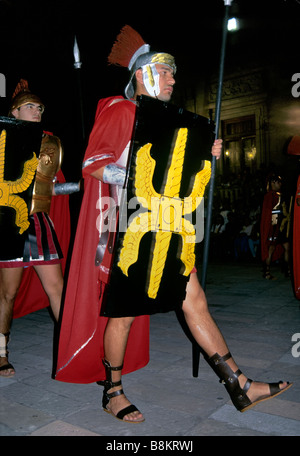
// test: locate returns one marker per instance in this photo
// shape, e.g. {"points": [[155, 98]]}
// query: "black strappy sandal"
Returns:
{"points": [[237, 394], [108, 384], [267, 274]]}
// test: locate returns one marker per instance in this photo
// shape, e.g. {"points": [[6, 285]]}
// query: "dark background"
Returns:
{"points": [[37, 37]]}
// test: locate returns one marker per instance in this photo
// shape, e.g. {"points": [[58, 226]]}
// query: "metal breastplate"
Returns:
{"points": [[50, 159]]}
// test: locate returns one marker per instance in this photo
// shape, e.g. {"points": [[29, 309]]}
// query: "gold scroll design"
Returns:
{"points": [[9, 189], [166, 213]]}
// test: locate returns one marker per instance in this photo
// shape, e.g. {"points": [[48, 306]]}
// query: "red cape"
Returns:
{"points": [[80, 349], [31, 295], [265, 225], [296, 242]]}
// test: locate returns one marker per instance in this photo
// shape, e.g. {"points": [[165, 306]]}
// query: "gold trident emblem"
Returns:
{"points": [[165, 213], [8, 189]]}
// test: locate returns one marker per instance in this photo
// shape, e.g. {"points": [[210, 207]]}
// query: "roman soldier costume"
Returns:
{"points": [[83, 323], [81, 339], [42, 243]]}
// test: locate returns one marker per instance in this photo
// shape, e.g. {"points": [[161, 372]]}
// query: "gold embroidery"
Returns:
{"points": [[9, 189], [166, 213]]}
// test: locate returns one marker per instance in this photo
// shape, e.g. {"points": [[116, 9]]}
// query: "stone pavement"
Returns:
{"points": [[258, 318]]}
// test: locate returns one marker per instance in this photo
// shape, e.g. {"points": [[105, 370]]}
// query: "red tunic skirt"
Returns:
{"points": [[41, 245]]}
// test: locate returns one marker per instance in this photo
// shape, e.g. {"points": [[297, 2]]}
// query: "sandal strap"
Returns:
{"points": [[6, 367], [218, 359], [275, 388], [234, 375], [109, 367], [247, 385], [125, 411], [114, 394], [116, 368], [108, 383]]}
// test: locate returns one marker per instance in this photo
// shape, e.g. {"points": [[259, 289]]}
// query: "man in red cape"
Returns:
{"points": [[272, 243], [123, 343], [81, 341]]}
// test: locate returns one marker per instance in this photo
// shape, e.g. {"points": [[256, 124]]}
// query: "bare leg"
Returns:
{"points": [[51, 278], [286, 258], [115, 340], [267, 274], [208, 335], [286, 247], [10, 279]]}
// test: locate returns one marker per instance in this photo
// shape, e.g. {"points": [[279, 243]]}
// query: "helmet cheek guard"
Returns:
{"points": [[151, 79]]}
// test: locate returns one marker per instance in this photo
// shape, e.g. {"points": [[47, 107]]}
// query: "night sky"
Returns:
{"points": [[37, 37]]}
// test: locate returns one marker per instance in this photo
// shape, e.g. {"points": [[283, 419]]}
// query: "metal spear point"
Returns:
{"points": [[77, 66], [76, 53]]}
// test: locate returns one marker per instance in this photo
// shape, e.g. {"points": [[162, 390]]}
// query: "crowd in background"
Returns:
{"points": [[235, 230]]}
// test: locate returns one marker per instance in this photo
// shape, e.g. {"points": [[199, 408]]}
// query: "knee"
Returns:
{"points": [[120, 325], [8, 294], [195, 302], [54, 290]]}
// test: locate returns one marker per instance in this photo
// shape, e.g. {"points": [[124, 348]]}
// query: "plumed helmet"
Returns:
{"points": [[131, 51], [22, 96]]}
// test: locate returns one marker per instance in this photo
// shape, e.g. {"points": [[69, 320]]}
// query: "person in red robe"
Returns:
{"points": [[81, 339], [24, 290], [274, 238], [96, 348]]}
